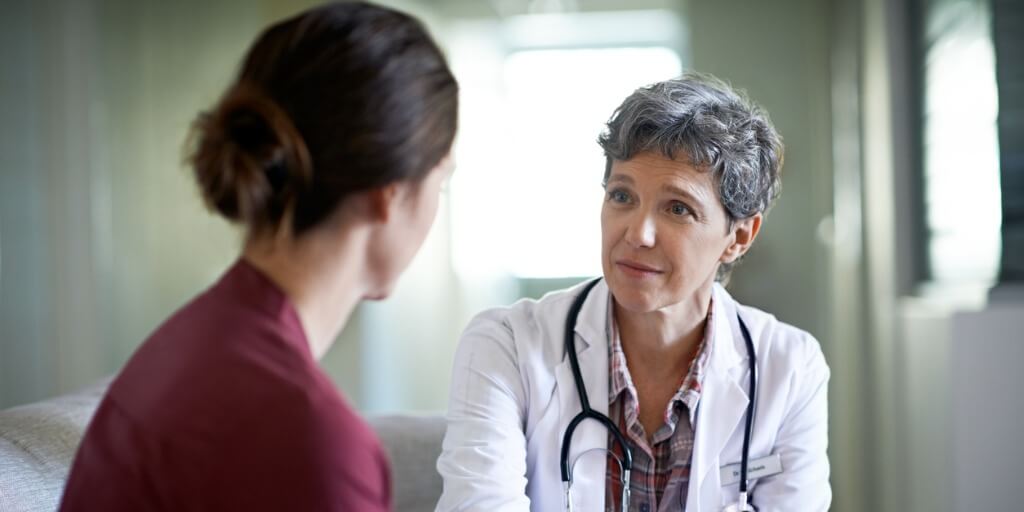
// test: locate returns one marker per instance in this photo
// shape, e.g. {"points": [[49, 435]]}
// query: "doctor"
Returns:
{"points": [[664, 353]]}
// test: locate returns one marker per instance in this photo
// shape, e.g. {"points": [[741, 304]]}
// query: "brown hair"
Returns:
{"points": [[339, 99]]}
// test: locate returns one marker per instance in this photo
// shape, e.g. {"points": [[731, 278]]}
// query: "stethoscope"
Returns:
{"points": [[626, 462]]}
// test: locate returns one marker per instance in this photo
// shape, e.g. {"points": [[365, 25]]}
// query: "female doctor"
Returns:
{"points": [[650, 389]]}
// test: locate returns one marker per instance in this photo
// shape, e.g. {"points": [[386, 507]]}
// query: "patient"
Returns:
{"points": [[329, 150]]}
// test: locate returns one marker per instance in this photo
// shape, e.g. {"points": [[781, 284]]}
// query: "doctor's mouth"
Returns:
{"points": [[637, 270]]}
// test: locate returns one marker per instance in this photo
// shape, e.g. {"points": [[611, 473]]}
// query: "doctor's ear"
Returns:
{"points": [[743, 232]]}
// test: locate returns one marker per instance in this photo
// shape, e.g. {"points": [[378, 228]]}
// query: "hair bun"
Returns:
{"points": [[248, 158], [365, 86]]}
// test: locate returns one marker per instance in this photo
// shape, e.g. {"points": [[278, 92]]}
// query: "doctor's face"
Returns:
{"points": [[664, 232]]}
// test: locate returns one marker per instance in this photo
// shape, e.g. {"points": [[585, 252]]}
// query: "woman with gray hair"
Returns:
{"points": [[650, 389]]}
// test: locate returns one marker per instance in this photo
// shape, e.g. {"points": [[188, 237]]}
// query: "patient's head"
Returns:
{"points": [[339, 100]]}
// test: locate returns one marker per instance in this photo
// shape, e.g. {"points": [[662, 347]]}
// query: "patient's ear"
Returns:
{"points": [[743, 233], [381, 201]]}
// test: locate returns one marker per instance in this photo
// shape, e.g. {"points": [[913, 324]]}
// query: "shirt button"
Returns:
{"points": [[644, 507]]}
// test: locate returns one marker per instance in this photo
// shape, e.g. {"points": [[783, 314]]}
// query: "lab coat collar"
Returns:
{"points": [[592, 326], [728, 349], [590, 438], [723, 402]]}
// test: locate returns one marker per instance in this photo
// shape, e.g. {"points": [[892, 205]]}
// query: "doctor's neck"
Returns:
{"points": [[664, 341]]}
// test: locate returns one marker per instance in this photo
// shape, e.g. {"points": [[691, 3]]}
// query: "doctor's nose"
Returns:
{"points": [[640, 232]]}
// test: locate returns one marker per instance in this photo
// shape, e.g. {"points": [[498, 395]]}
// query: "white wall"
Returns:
{"points": [[988, 407], [964, 409], [927, 384]]}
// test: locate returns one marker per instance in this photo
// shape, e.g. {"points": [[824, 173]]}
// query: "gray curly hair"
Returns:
{"points": [[715, 127]]}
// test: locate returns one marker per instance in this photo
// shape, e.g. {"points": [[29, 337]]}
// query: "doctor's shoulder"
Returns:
{"points": [[784, 348], [529, 328]]}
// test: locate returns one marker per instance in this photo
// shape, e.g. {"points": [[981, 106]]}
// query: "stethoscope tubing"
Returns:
{"points": [[752, 356], [581, 390]]}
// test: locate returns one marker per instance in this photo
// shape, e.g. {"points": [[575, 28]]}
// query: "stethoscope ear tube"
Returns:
{"points": [[581, 389], [587, 412], [570, 344]]}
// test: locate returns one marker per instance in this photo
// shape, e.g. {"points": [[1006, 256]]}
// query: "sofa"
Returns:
{"points": [[38, 442]]}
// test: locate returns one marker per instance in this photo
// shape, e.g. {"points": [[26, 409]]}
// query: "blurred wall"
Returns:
{"points": [[938, 388], [779, 53], [102, 232], [784, 54]]}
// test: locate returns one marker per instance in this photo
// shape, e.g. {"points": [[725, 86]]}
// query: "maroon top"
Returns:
{"points": [[224, 408]]}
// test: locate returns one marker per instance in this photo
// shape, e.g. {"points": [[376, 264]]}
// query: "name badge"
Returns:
{"points": [[756, 468]]}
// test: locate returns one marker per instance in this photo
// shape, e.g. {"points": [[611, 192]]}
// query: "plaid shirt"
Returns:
{"points": [[661, 472]]}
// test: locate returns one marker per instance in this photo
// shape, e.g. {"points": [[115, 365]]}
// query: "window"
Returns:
{"points": [[961, 153], [526, 200]]}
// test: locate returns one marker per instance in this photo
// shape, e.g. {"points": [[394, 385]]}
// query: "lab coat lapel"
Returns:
{"points": [[592, 348], [723, 403]]}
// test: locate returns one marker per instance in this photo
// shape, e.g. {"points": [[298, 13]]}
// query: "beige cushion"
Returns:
{"points": [[37, 443]]}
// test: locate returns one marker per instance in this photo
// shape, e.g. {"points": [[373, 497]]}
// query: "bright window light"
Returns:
{"points": [[527, 195], [962, 151]]}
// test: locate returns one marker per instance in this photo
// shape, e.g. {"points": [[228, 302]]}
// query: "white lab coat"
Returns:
{"points": [[512, 397]]}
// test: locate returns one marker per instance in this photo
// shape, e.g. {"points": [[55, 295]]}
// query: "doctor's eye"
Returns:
{"points": [[619, 196], [678, 209]]}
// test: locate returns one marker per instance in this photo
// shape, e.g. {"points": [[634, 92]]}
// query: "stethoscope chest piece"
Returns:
{"points": [[743, 505], [735, 507]]}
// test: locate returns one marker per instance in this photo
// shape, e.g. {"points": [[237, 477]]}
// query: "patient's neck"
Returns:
{"points": [[320, 273]]}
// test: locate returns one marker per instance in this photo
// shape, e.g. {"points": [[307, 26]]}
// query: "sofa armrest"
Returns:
{"points": [[37, 444], [413, 444]]}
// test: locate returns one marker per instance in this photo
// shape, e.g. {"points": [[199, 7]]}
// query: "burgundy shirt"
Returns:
{"points": [[224, 408]]}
